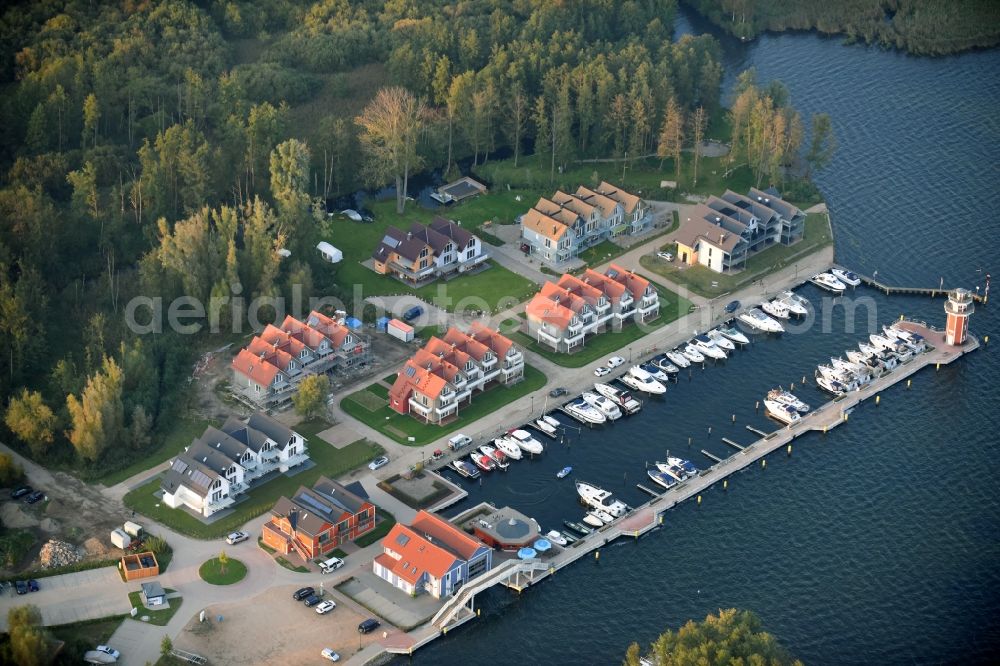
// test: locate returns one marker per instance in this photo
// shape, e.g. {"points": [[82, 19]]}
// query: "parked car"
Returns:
{"points": [[558, 392], [32, 585], [381, 461], [732, 306], [602, 370], [311, 600], [36, 496], [458, 441], [368, 626], [328, 653], [325, 607], [108, 650], [237, 537], [302, 593], [666, 256], [20, 491], [615, 361], [413, 313], [21, 586], [331, 565]]}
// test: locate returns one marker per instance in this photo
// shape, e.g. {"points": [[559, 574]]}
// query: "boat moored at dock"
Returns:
{"points": [[828, 282], [605, 405], [782, 412], [757, 320], [847, 277], [708, 347], [525, 441], [498, 457], [600, 499], [620, 397], [640, 380], [677, 358], [720, 340], [467, 470], [584, 413], [664, 365], [797, 305], [577, 527], [776, 308], [483, 461], [509, 448], [736, 335], [655, 372], [661, 478], [692, 353], [781, 395]]}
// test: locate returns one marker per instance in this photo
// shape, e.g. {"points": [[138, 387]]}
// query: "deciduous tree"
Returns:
{"points": [[822, 143], [97, 416], [697, 134], [311, 396], [32, 421], [672, 136]]}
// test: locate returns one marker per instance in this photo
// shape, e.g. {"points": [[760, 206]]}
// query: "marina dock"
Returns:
{"points": [[888, 290], [519, 574]]}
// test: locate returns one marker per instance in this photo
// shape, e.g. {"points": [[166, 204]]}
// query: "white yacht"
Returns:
{"points": [[600, 499], [620, 397], [525, 441], [510, 449], [776, 308], [584, 413], [708, 347], [678, 359], [556, 537], [914, 341], [605, 405], [692, 353], [655, 372], [678, 468], [661, 478], [640, 380], [545, 426], [797, 305], [720, 340], [498, 457], [859, 370], [759, 321], [664, 364], [902, 351], [782, 412], [598, 518], [831, 386], [831, 375], [828, 282], [734, 334], [845, 276], [866, 348], [787, 398]]}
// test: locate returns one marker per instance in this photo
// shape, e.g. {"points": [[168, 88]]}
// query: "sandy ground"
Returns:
{"points": [[288, 632]]}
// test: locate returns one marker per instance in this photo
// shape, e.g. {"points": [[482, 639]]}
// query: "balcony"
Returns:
{"points": [[548, 336], [423, 410]]}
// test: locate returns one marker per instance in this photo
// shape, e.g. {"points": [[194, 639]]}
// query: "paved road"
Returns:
{"points": [[72, 597]]}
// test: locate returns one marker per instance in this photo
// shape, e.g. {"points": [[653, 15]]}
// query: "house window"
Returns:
{"points": [[343, 526], [548, 242], [292, 450], [423, 263], [423, 252]]}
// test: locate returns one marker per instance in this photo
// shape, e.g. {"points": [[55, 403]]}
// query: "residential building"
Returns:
{"points": [[725, 231], [563, 313], [560, 227], [267, 371], [316, 520], [224, 462], [422, 253], [431, 555], [444, 374]]}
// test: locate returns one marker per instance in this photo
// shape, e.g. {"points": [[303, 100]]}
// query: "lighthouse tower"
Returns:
{"points": [[958, 308]]}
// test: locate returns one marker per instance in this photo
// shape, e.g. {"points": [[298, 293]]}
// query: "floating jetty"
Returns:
{"points": [[521, 574], [889, 290]]}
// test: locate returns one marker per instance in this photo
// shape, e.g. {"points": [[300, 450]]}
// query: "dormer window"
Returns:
{"points": [[423, 253]]}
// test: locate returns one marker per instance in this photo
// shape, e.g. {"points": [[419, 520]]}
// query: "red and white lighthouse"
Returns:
{"points": [[958, 308]]}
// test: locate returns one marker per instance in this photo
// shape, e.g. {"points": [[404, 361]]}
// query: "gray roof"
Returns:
{"points": [[451, 230], [217, 440], [190, 473], [312, 508], [771, 199], [238, 430], [698, 227], [207, 455], [279, 433], [338, 494], [761, 211], [153, 589]]}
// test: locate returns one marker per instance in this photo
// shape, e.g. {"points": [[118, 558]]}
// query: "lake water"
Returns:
{"points": [[874, 544]]}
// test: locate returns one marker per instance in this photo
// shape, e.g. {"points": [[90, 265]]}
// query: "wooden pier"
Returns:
{"points": [[759, 433], [914, 291], [647, 490], [738, 447], [712, 456]]}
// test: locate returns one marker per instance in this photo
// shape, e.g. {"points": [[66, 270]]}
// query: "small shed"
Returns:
{"points": [[329, 252], [400, 330], [133, 529], [153, 594], [463, 188], [120, 539], [382, 323]]}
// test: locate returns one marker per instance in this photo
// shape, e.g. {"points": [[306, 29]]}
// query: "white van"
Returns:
{"points": [[331, 565], [458, 441]]}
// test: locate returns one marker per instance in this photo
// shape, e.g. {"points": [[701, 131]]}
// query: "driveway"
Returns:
{"points": [[84, 595]]}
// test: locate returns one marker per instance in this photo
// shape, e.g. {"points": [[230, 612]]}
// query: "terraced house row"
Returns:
{"points": [[446, 372], [563, 313], [559, 228], [267, 371]]}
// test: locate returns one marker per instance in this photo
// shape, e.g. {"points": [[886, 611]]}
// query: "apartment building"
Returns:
{"points": [[422, 254]]}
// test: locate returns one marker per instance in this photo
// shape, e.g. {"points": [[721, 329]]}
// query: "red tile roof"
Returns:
{"points": [[635, 284], [258, 369]]}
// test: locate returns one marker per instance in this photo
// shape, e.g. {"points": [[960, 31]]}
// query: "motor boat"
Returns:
{"points": [[604, 405], [720, 340], [564, 472], [796, 304], [577, 527], [828, 282], [914, 341], [570, 539], [664, 365], [902, 351], [831, 386], [496, 455], [860, 371], [870, 361], [620, 397], [525, 441], [509, 448], [867, 348], [782, 412], [655, 372], [593, 519], [830, 375], [784, 397], [888, 361], [707, 347], [678, 468], [584, 413], [661, 478], [846, 276], [483, 461], [468, 470], [677, 358], [640, 380], [734, 334], [756, 319], [556, 537], [600, 499], [545, 428], [776, 308], [692, 353]]}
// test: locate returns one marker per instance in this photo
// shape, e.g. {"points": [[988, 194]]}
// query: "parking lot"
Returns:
{"points": [[83, 595]]}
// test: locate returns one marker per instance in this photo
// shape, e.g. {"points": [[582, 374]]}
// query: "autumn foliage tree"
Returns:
{"points": [[311, 396], [31, 420], [98, 416]]}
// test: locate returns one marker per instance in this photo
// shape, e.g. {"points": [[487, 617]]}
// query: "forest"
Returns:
{"points": [[921, 27], [179, 148]]}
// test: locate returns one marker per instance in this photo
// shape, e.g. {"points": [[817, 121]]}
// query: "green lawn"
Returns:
{"points": [[328, 460], [82, 636], [158, 617], [672, 307], [15, 543], [180, 435], [378, 532], [399, 427], [214, 573], [600, 253], [699, 279]]}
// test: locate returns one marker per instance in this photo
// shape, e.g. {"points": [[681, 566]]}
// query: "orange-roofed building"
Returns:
{"points": [[647, 299], [431, 556]]}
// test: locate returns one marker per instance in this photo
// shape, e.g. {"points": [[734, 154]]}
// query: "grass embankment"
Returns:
{"points": [[158, 617], [672, 307], [328, 460], [214, 572], [184, 430], [710, 284], [79, 637], [372, 408]]}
